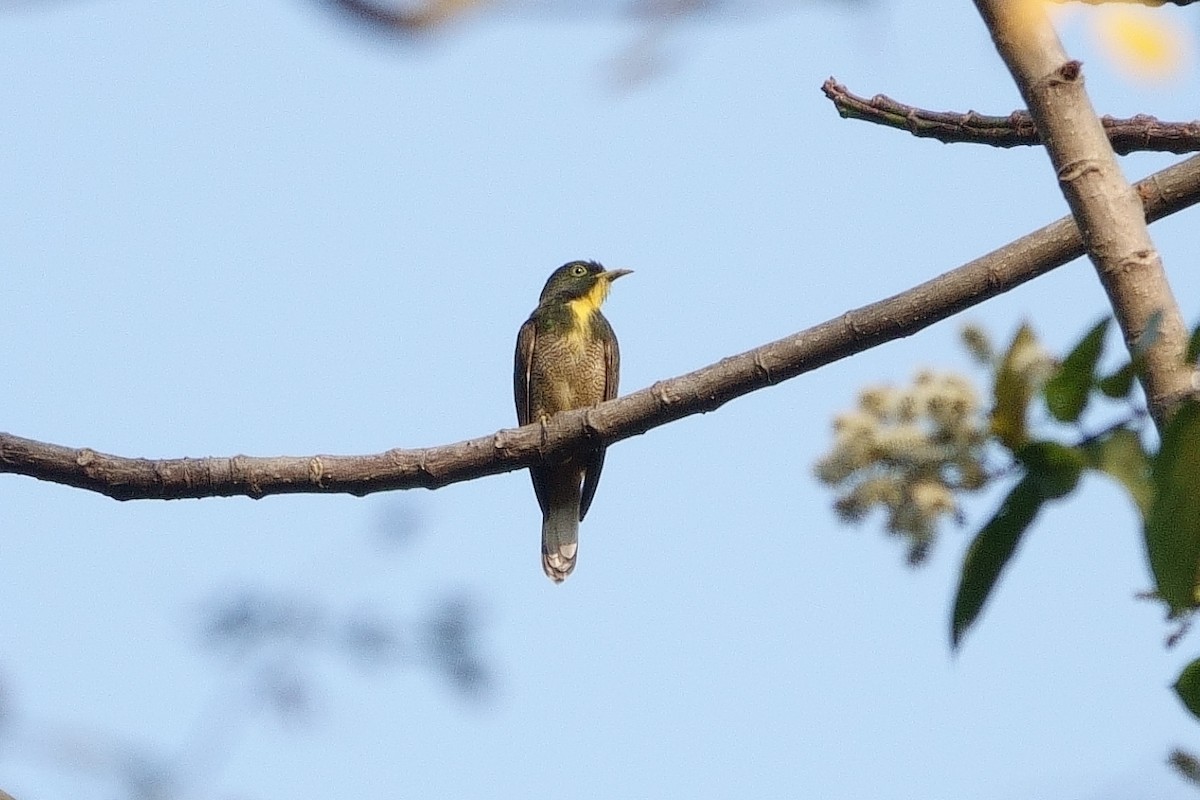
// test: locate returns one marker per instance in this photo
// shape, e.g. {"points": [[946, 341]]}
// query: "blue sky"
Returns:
{"points": [[248, 228]]}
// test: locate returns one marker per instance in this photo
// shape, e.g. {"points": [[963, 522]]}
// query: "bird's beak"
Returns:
{"points": [[612, 274]]}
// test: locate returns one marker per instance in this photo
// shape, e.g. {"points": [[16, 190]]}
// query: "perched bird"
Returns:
{"points": [[567, 357]]}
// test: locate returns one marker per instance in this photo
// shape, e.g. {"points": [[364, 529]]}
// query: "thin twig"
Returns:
{"points": [[1129, 135]]}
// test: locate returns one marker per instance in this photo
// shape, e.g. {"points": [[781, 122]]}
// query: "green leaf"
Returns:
{"points": [[989, 553], [1012, 391], [1173, 522], [1054, 468], [1188, 687], [1120, 455], [1193, 351], [1119, 384], [1067, 392]]}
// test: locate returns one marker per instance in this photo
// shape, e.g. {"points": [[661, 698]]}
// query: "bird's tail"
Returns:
{"points": [[560, 531]]}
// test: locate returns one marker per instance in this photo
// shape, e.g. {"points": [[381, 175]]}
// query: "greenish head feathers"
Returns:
{"points": [[576, 280]]}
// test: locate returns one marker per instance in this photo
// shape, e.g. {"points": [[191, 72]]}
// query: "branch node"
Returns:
{"points": [[1069, 72], [243, 474], [762, 368], [316, 471], [1075, 170], [1137, 261], [85, 457], [500, 440], [851, 325], [161, 473], [662, 393], [589, 427], [1148, 190]]}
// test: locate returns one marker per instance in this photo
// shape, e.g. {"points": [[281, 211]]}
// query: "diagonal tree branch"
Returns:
{"points": [[1102, 202], [1139, 133], [706, 389]]}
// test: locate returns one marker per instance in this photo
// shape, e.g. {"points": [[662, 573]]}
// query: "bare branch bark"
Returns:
{"points": [[706, 389], [1102, 202], [1134, 134]]}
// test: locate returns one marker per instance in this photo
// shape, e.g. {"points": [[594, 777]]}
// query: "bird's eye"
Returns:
{"points": [[579, 270]]}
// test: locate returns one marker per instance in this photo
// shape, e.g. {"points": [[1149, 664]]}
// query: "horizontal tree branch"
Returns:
{"points": [[1133, 134], [706, 389]]}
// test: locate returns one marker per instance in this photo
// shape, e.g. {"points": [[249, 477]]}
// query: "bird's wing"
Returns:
{"points": [[612, 374], [522, 363], [591, 479], [612, 365]]}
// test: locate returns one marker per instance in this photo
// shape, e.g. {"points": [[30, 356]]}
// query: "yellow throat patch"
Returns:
{"points": [[582, 308]]}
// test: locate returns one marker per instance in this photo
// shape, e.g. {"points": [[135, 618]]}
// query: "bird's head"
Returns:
{"points": [[580, 281]]}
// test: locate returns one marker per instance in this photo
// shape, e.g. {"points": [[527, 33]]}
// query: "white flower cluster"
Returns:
{"points": [[908, 450]]}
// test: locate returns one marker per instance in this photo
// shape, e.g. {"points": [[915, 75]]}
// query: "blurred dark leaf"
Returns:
{"points": [[1121, 456], [148, 780], [1185, 764], [1193, 350], [1068, 390], [372, 640], [397, 525], [1119, 384], [286, 693], [1054, 468], [1188, 687], [414, 15], [407, 18], [451, 640], [1173, 523], [990, 552], [250, 619]]}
